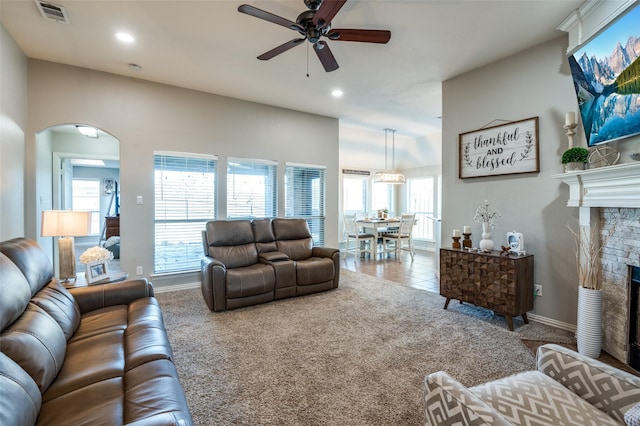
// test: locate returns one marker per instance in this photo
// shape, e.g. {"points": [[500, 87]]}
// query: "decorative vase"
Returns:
{"points": [[486, 243], [589, 327]]}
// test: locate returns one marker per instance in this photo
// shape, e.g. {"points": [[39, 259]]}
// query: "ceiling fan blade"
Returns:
{"points": [[364, 36], [326, 12], [280, 49], [267, 16], [326, 57]]}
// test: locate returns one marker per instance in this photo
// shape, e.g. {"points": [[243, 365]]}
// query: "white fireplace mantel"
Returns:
{"points": [[611, 186]]}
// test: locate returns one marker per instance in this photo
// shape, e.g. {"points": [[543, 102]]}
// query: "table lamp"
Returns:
{"points": [[66, 224]]}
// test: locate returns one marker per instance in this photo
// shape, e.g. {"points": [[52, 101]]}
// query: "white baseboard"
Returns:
{"points": [[552, 322]]}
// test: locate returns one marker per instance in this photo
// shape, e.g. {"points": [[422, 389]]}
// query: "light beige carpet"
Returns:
{"points": [[356, 355]]}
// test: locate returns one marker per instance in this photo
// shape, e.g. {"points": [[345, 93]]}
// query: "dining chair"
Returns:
{"points": [[364, 242], [403, 239]]}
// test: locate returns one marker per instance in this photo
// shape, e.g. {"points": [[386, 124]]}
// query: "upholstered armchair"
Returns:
{"points": [[232, 275], [566, 389], [317, 268]]}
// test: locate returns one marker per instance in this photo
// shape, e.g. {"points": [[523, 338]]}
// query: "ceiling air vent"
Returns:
{"points": [[53, 12]]}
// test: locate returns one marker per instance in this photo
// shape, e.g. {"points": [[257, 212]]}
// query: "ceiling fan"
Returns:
{"points": [[313, 24]]}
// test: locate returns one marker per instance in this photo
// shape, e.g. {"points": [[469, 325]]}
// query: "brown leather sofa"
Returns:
{"points": [[94, 355], [250, 262]]}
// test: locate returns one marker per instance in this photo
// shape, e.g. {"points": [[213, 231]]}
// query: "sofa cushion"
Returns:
{"points": [[20, 398], [293, 237], [145, 337], [632, 416], [535, 398], [235, 256], [263, 235], [314, 270], [56, 300], [15, 292], [36, 343], [296, 249], [250, 281], [99, 403], [31, 260], [152, 390]]}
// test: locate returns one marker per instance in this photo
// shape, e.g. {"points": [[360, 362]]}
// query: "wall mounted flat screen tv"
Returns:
{"points": [[606, 76]]}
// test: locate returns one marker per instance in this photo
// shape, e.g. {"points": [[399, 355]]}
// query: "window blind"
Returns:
{"points": [[251, 188], [305, 197], [185, 200]]}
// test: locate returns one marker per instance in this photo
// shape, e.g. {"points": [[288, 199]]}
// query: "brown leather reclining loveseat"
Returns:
{"points": [[94, 355], [250, 262]]}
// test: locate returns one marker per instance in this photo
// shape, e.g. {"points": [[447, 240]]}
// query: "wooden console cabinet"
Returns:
{"points": [[503, 284]]}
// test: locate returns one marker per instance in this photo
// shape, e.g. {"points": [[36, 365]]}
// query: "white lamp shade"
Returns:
{"points": [[65, 223]]}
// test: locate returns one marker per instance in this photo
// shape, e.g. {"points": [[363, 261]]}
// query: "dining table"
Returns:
{"points": [[377, 227]]}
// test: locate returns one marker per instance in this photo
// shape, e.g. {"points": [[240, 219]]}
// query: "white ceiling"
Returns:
{"points": [[208, 45]]}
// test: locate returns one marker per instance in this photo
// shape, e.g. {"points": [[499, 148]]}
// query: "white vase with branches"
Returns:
{"points": [[488, 219], [589, 245]]}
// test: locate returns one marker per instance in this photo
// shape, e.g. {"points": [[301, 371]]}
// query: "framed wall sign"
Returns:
{"points": [[500, 150]]}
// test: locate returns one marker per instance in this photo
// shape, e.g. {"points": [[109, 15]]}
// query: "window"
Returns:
{"points": [[85, 196], [305, 194], [185, 200], [420, 201], [382, 197], [251, 189], [354, 192]]}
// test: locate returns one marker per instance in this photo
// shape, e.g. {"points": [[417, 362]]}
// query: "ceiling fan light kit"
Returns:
{"points": [[389, 176], [313, 24]]}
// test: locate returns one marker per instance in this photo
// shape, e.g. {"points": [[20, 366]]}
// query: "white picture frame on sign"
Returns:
{"points": [[505, 149]]}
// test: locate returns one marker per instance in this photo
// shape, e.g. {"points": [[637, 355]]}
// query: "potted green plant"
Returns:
{"points": [[575, 158]]}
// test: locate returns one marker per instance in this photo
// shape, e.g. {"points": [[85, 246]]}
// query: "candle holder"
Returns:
{"points": [[456, 243], [570, 128], [466, 243]]}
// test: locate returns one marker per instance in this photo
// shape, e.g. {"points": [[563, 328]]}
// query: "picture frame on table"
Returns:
{"points": [[96, 271], [505, 149]]}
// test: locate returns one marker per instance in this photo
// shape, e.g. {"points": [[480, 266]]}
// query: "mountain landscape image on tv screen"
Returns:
{"points": [[606, 76]]}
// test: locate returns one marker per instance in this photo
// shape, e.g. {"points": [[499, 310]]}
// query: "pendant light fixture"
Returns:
{"points": [[389, 176]]}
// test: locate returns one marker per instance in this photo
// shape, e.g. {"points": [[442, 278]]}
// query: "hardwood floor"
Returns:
{"points": [[421, 274]]}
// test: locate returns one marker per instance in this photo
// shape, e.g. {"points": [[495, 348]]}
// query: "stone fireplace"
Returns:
{"points": [[609, 197]]}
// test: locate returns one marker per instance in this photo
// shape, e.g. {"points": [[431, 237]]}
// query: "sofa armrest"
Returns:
{"points": [[213, 283], [272, 256], [103, 295], [334, 255], [324, 252], [448, 402], [607, 388]]}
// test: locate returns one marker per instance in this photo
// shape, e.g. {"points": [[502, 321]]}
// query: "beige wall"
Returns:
{"points": [[13, 122], [536, 82], [147, 117]]}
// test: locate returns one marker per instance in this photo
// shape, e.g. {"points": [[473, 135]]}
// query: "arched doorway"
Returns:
{"points": [[78, 172]]}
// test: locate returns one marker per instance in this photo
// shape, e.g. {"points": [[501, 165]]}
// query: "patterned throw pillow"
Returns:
{"points": [[632, 416]]}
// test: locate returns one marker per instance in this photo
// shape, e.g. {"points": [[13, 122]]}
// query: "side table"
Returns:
{"points": [[81, 281]]}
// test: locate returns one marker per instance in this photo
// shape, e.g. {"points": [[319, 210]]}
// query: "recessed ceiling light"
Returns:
{"points": [[337, 93], [134, 67], [124, 37]]}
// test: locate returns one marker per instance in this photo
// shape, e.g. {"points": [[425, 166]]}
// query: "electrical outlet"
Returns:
{"points": [[139, 270], [537, 290]]}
